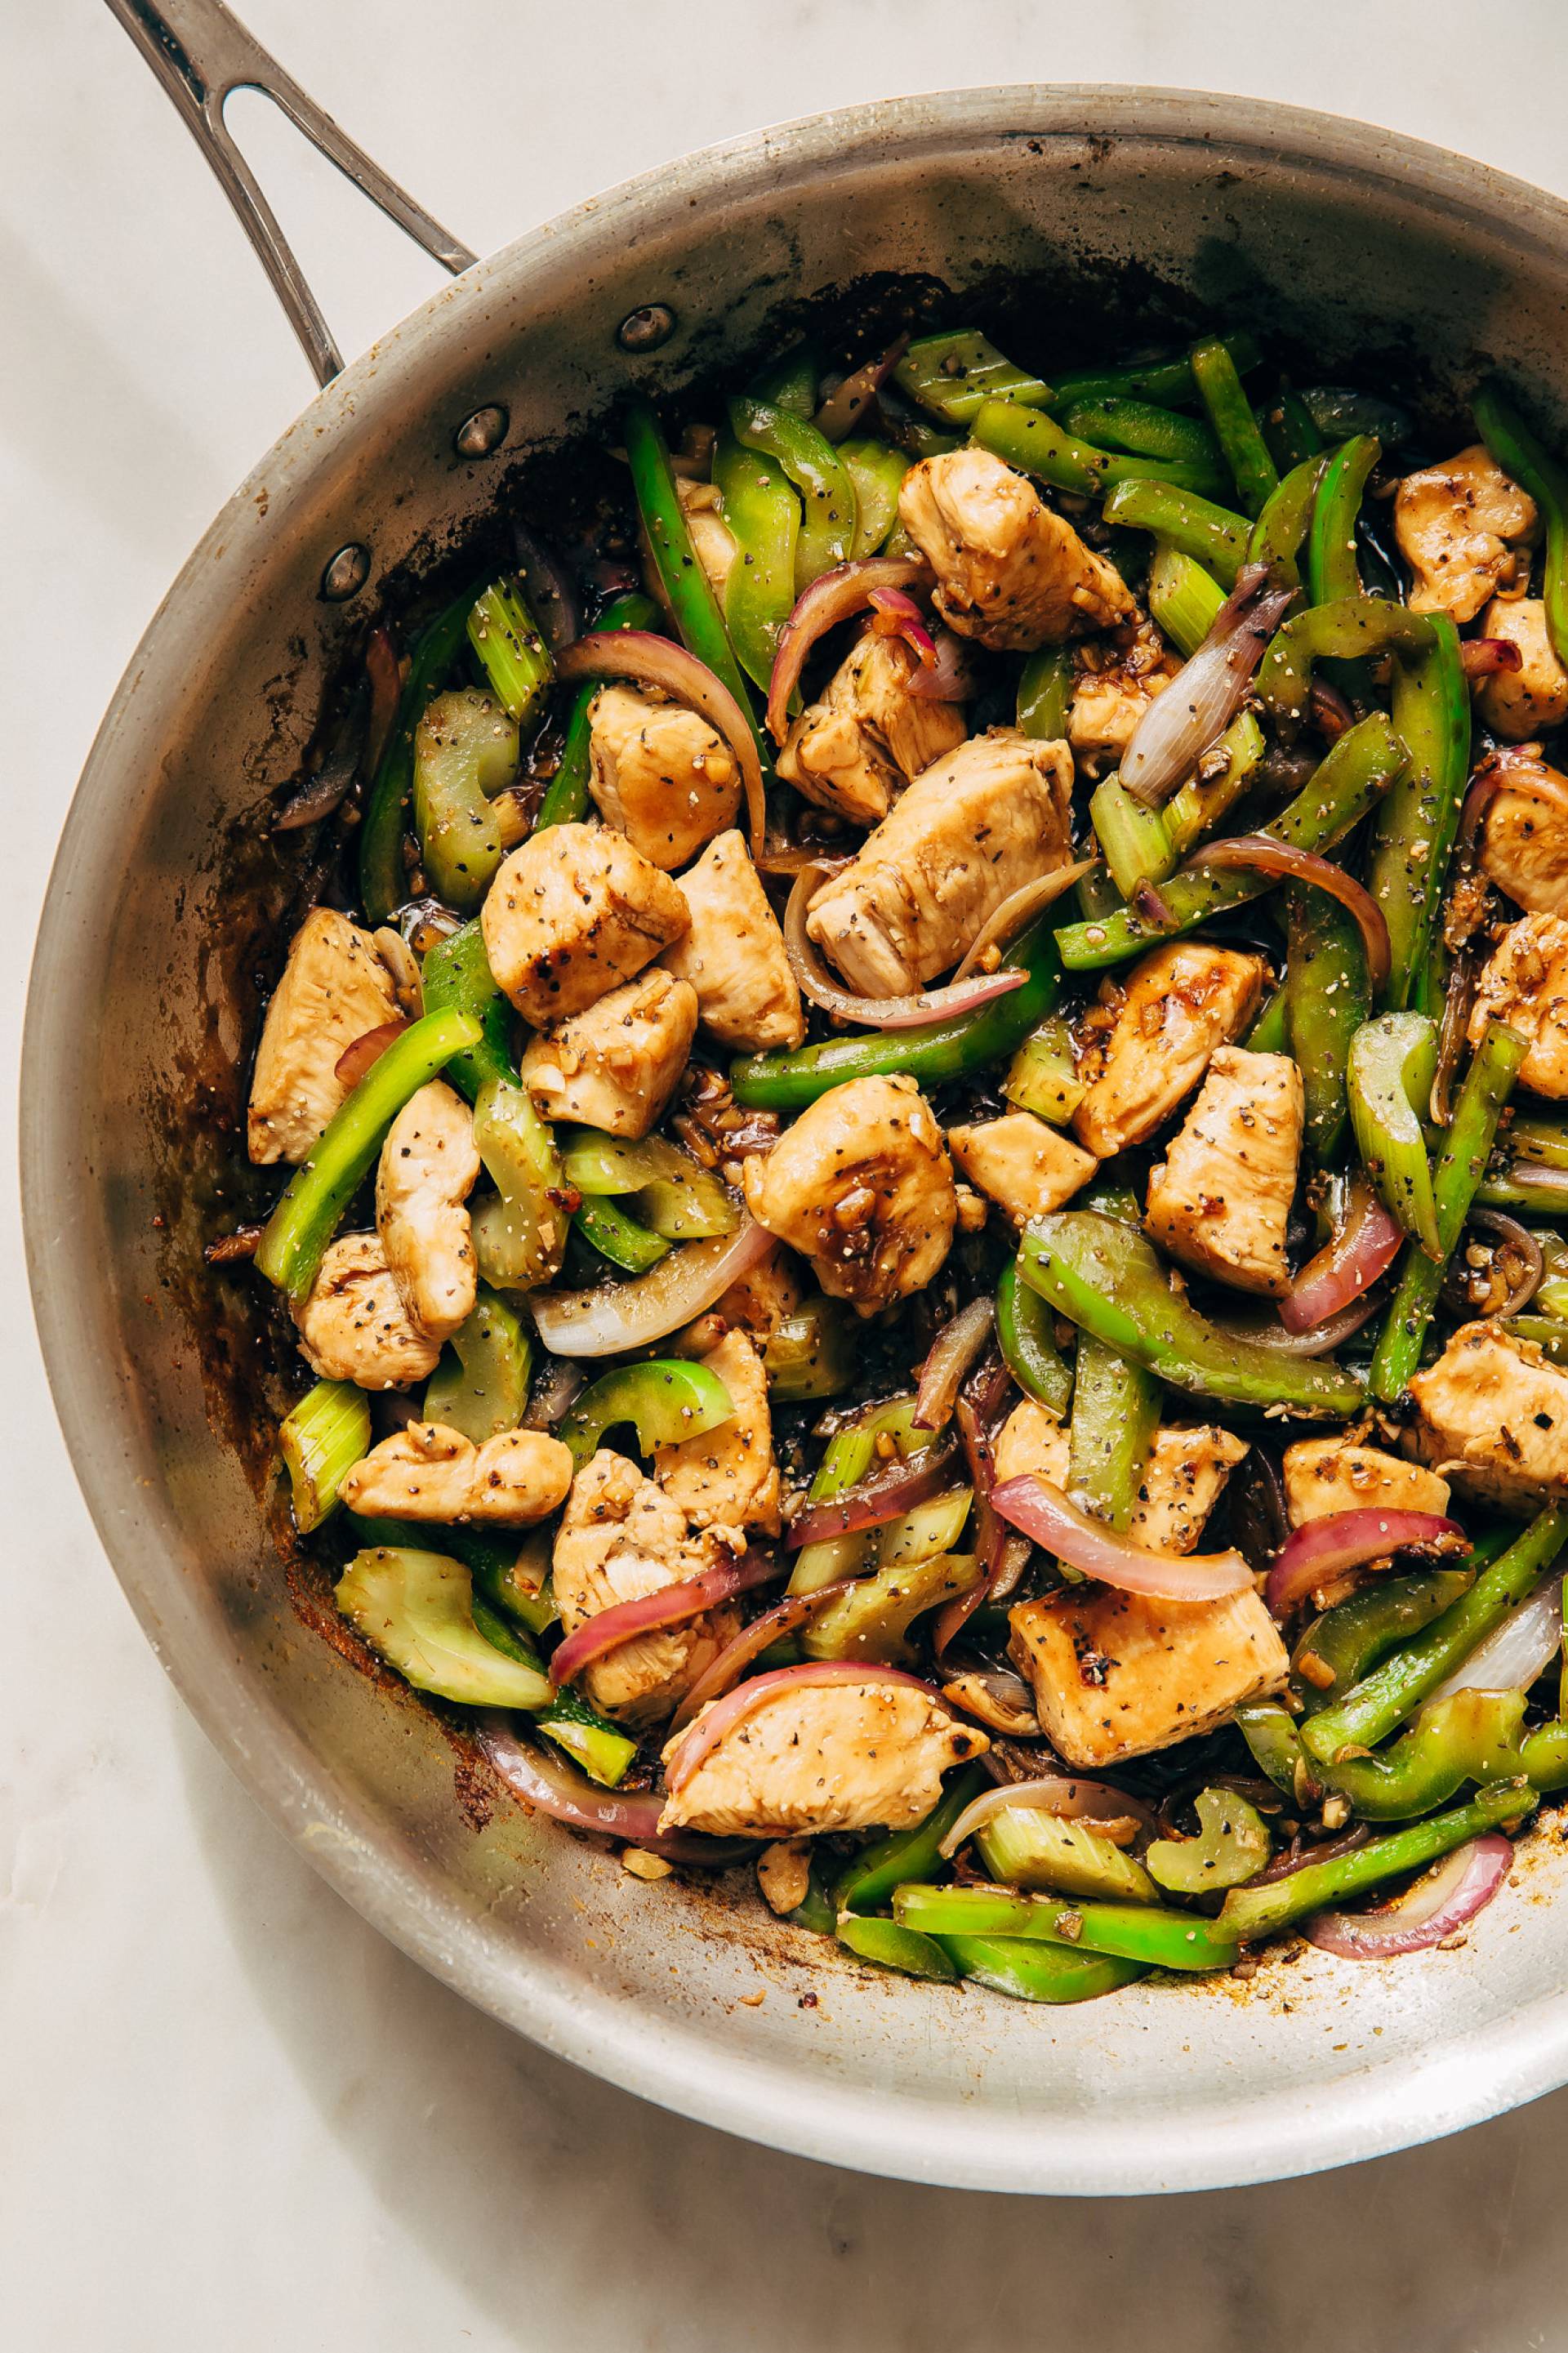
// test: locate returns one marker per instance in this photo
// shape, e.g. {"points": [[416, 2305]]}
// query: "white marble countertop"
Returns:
{"points": [[231, 2116]]}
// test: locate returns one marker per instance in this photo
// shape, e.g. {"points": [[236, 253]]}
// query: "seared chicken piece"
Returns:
{"points": [[861, 1185], [1113, 689], [727, 1477], [1009, 571], [1519, 704], [1023, 1164], [621, 1536], [1181, 1003], [712, 541], [1526, 985], [842, 1757], [659, 774], [335, 988], [1494, 1419], [354, 1326], [734, 954], [1182, 1479], [855, 750], [430, 1473], [1525, 838], [1459, 527], [428, 1168], [1220, 1200], [1325, 1475], [616, 1066], [757, 1301], [571, 913], [985, 820], [1118, 1674]]}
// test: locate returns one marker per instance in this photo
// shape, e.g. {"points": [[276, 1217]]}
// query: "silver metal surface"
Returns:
{"points": [[201, 52], [646, 329], [1348, 239], [481, 435], [346, 573]]}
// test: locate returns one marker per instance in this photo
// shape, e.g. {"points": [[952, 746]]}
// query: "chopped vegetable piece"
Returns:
{"points": [[1036, 444], [1027, 1846], [320, 1439], [905, 1856], [418, 1609], [1028, 1345], [1115, 1413], [512, 654], [1235, 426], [892, 1947], [1232, 1847], [1028, 1972], [480, 1385], [663, 1400], [1132, 1932], [953, 374], [1390, 1068], [381, 881]]}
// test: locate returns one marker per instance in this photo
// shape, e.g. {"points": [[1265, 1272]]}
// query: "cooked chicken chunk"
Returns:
{"points": [[1009, 571], [572, 912], [1220, 1200], [335, 988], [615, 1065], [1526, 985], [1023, 1164], [621, 1537], [860, 1185], [659, 774], [1118, 1674], [1494, 1419], [1182, 1479], [430, 1473], [428, 1168], [1519, 704], [354, 1326], [985, 820], [1459, 527], [1524, 839], [1325, 1475], [734, 954], [844, 1756], [1182, 1002], [1113, 689], [855, 750], [727, 1478], [712, 541]]}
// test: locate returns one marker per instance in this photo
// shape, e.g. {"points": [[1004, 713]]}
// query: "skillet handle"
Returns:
{"points": [[200, 52]]}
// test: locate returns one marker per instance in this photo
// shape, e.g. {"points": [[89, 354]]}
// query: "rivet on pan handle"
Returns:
{"points": [[200, 52]]}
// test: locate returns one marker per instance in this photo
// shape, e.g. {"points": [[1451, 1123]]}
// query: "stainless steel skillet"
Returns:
{"points": [[1338, 236]]}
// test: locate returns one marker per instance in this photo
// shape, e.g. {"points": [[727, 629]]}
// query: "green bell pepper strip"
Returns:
{"points": [[1280, 531], [1430, 707], [848, 1457], [520, 1231], [868, 1881], [878, 473], [1272, 1735], [1342, 631], [1542, 1142], [1038, 1972], [1235, 427], [812, 463], [791, 380], [1142, 430], [1333, 571], [307, 1214], [1362, 764], [814, 1911], [670, 1194], [465, 750], [601, 1748], [1183, 599], [1461, 1164], [1328, 997], [1389, 1073], [1197, 807], [954, 373], [1115, 1413], [382, 880], [895, 1947], [513, 655], [1546, 1331], [1371, 1708], [947, 1049], [1291, 431], [763, 513], [566, 798], [1521, 456], [665, 1400], [1525, 1186], [605, 1228], [1044, 695], [1108, 1281], [1028, 1345], [1232, 1846], [1170, 382], [1215, 536], [1043, 1076], [455, 976], [811, 1353], [1250, 1914], [1472, 1735], [320, 1439], [1347, 1641], [1148, 1933], [480, 1385], [1270, 1033], [1136, 839], [1036, 444]]}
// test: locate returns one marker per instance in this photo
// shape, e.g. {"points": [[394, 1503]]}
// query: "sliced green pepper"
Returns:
{"points": [[1036, 444], [763, 513], [1472, 1735], [1044, 695], [893, 1948], [520, 1230], [1136, 839], [1417, 823], [1132, 1932], [1328, 997], [465, 750], [954, 373], [1170, 381], [1279, 533], [1344, 632], [455, 977], [1389, 1071], [1195, 526], [566, 797], [605, 1228], [480, 1385], [811, 1353], [1523, 460], [1036, 1972], [1043, 1076], [1291, 431], [1232, 1846], [878, 473], [1142, 430], [1270, 1033], [789, 382], [849, 1456], [514, 658], [1028, 1345], [1115, 1413], [1346, 1642], [815, 466], [1333, 571], [664, 1399], [867, 1882], [320, 1439], [670, 1192], [1235, 426], [382, 880], [1271, 1734], [1183, 599]]}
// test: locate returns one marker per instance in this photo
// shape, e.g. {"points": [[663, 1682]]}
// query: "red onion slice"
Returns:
{"points": [[701, 1738], [671, 1605], [550, 1784], [785, 1618], [1365, 1247], [1331, 714], [847, 404], [1480, 656], [954, 1350], [1207, 693], [1020, 908], [884, 1494], [1318, 1340], [1528, 1246], [1516, 1653], [1323, 1548], [1045, 1513], [617, 1317], [895, 614], [1262, 854], [877, 1012], [651, 660], [366, 1050], [830, 600], [1073, 1800], [1443, 1901], [547, 586], [999, 1557], [950, 678], [386, 675]]}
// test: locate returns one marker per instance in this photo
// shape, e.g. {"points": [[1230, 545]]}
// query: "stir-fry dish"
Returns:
{"points": [[923, 1117]]}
